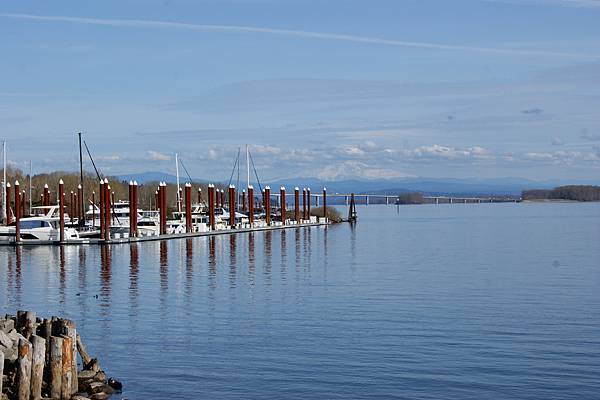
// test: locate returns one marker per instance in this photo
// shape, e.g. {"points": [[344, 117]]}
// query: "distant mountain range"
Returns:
{"points": [[472, 186]]}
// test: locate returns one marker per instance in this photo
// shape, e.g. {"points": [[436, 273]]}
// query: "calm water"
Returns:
{"points": [[450, 301]]}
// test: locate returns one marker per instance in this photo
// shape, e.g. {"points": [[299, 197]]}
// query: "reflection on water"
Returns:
{"points": [[427, 303]]}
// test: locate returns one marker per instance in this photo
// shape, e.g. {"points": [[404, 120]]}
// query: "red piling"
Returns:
{"points": [[325, 204], [135, 207], [76, 206], [93, 210], [282, 201], [232, 206], [199, 195], [308, 203], [106, 210], [304, 203], [61, 208], [81, 213], [71, 208], [211, 206], [131, 218], [222, 198], [297, 204], [23, 202], [268, 205], [101, 208], [188, 207], [251, 205], [17, 212], [244, 200], [112, 206], [46, 198], [7, 204]]}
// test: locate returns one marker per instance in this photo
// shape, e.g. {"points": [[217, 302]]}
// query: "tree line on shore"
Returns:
{"points": [[570, 192]]}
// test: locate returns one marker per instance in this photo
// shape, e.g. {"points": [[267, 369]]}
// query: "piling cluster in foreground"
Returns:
{"points": [[38, 360]]}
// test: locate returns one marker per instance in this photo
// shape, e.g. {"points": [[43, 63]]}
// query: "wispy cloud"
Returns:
{"points": [[134, 23]]}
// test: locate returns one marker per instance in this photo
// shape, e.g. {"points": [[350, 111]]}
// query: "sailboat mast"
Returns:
{"points": [[178, 189], [30, 179], [247, 167], [4, 214], [81, 202]]}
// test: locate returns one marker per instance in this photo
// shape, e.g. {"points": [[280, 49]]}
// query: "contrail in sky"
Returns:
{"points": [[288, 32]]}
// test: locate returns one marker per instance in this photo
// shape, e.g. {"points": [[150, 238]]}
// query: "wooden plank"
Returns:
{"points": [[55, 381], [85, 357], [37, 366]]}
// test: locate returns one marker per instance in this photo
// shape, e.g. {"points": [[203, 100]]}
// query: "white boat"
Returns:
{"points": [[147, 221], [40, 227]]}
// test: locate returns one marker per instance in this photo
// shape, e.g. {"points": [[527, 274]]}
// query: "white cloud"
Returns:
{"points": [[157, 156]]}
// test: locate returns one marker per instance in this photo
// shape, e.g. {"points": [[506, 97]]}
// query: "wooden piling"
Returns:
{"points": [[211, 206], [308, 203], [251, 205], [106, 210], [199, 195], [61, 209], [80, 210], [188, 207], [23, 203], [297, 204], [7, 205], [67, 368], [101, 208], [1, 370], [304, 203], [24, 370], [37, 366], [130, 188], [85, 357], [268, 205], [244, 204], [46, 197], [17, 212], [71, 208], [55, 381], [282, 204], [325, 204], [135, 208], [232, 206]]}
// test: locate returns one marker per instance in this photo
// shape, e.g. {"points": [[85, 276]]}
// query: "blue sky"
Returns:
{"points": [[330, 89]]}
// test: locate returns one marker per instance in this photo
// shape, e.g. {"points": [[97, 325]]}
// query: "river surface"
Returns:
{"points": [[488, 301]]}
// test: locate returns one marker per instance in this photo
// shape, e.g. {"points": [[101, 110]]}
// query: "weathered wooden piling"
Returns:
{"points": [[55, 374], [282, 204], [325, 203], [297, 204], [37, 366], [67, 367], [268, 205], [188, 207], [1, 371], [211, 206], [61, 209], [304, 204], [232, 206], [17, 212], [251, 205], [24, 370]]}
